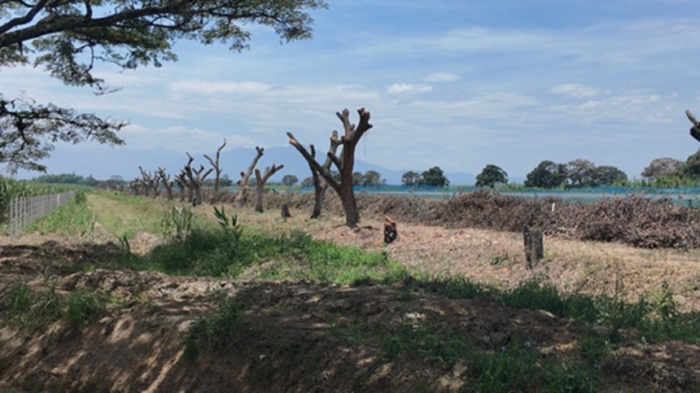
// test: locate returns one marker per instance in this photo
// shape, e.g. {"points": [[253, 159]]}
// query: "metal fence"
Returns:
{"points": [[24, 211]]}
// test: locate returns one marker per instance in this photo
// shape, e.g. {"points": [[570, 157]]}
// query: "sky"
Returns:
{"points": [[457, 84]]}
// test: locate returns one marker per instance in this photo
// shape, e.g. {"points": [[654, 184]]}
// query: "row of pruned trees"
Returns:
{"points": [[334, 171], [190, 180]]}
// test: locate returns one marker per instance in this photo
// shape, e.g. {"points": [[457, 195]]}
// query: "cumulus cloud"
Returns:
{"points": [[402, 88], [577, 90], [441, 77]]}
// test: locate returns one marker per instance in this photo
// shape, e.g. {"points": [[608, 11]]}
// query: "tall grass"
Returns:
{"points": [[73, 218], [656, 319], [33, 310], [193, 247]]}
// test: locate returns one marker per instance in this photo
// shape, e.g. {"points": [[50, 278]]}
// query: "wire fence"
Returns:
{"points": [[24, 211]]}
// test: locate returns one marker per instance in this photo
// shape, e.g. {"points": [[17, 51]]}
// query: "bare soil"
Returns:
{"points": [[296, 341]]}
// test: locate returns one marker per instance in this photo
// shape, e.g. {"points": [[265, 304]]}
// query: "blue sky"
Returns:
{"points": [[458, 84]]}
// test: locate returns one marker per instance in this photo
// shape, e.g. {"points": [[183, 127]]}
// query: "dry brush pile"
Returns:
{"points": [[634, 219]]}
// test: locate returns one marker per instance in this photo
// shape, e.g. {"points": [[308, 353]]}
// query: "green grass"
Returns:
{"points": [[656, 320], [194, 247], [82, 307], [122, 214], [73, 218], [30, 311], [514, 368], [208, 251], [214, 332]]}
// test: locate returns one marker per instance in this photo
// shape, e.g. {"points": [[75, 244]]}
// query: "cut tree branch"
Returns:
{"points": [[695, 129], [260, 184], [217, 168], [245, 176]]}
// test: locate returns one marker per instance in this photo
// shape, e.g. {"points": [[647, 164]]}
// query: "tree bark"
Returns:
{"points": [[217, 168], [196, 178], [695, 129], [320, 185], [245, 176], [165, 178], [260, 185], [151, 181], [534, 248], [181, 181], [345, 163]]}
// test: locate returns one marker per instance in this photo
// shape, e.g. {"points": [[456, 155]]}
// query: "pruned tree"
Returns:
{"points": [[165, 178], [137, 187], [151, 181], [245, 177], [345, 163], [217, 168], [695, 129], [260, 181], [319, 183], [184, 186], [70, 38], [196, 178]]}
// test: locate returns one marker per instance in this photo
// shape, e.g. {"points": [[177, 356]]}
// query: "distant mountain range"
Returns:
{"points": [[103, 162]]}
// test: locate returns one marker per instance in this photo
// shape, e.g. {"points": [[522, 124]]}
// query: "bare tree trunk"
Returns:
{"points": [[181, 181], [695, 129], [165, 178], [151, 181], [196, 178], [345, 163], [136, 187], [534, 248], [217, 168], [320, 185], [260, 184], [245, 176]]}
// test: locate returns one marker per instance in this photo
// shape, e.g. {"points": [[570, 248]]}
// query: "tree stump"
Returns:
{"points": [[534, 248], [285, 212], [390, 231]]}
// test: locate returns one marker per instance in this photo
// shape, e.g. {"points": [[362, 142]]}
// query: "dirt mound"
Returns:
{"points": [[289, 336]]}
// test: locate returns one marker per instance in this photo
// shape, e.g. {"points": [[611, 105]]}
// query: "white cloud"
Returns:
{"points": [[441, 77], [180, 138], [576, 90], [401, 88], [217, 87]]}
